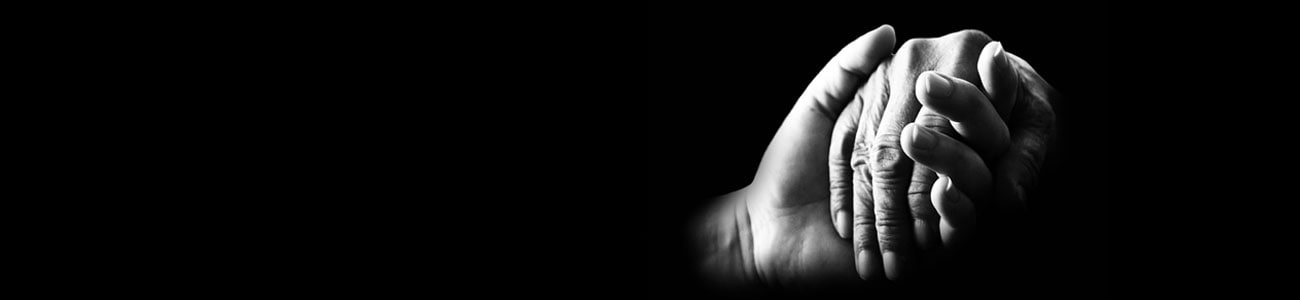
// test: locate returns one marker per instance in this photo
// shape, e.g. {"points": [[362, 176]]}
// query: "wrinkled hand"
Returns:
{"points": [[925, 105]]}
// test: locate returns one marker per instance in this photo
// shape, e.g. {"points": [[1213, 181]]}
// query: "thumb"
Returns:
{"points": [[796, 157], [1032, 127]]}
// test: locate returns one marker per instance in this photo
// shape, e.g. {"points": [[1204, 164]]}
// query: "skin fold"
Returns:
{"points": [[777, 232]]}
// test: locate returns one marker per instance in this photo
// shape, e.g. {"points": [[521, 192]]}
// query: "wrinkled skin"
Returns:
{"points": [[894, 227], [782, 228]]}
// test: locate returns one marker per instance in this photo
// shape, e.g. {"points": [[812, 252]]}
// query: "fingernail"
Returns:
{"points": [[938, 86], [924, 239], [921, 138], [863, 270], [843, 222], [1000, 53], [893, 270]]}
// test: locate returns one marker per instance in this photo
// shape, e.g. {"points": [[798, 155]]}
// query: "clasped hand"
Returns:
{"points": [[881, 166]]}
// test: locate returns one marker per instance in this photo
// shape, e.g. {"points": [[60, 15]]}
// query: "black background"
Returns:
{"points": [[722, 77], [517, 145]]}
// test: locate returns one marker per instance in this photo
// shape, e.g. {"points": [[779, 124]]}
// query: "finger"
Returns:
{"points": [[948, 157], [866, 249], [971, 113], [804, 136], [865, 242], [956, 213], [1033, 124], [891, 169], [1000, 79], [925, 221], [842, 137], [891, 173], [875, 97]]}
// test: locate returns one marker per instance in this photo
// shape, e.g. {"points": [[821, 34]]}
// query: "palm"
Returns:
{"points": [[795, 243]]}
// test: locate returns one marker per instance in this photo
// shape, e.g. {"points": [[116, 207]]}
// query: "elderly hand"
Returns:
{"points": [[970, 146]]}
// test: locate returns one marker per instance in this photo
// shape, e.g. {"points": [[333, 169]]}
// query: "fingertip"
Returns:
{"points": [[934, 85], [948, 194], [895, 265], [844, 224], [1000, 52], [907, 140], [922, 138], [940, 195], [862, 55], [868, 266], [993, 55], [941, 187], [864, 270], [907, 135], [1000, 79], [927, 235], [883, 35], [938, 85], [888, 30], [948, 185], [917, 141]]}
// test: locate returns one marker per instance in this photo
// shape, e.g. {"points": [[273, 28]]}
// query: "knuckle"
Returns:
{"points": [[863, 238], [914, 51], [935, 121], [888, 164], [970, 36], [892, 213], [922, 179], [859, 156], [836, 205], [892, 218], [839, 163], [959, 52], [893, 227], [914, 46], [923, 211], [918, 194], [840, 182], [864, 220], [874, 96], [921, 208], [862, 192]]}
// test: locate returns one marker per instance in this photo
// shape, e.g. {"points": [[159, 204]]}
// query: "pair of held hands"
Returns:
{"points": [[901, 151]]}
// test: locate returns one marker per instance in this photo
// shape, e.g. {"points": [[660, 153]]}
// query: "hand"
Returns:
{"points": [[794, 243], [781, 215], [869, 175]]}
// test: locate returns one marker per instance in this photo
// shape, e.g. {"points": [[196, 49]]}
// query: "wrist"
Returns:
{"points": [[724, 241]]}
